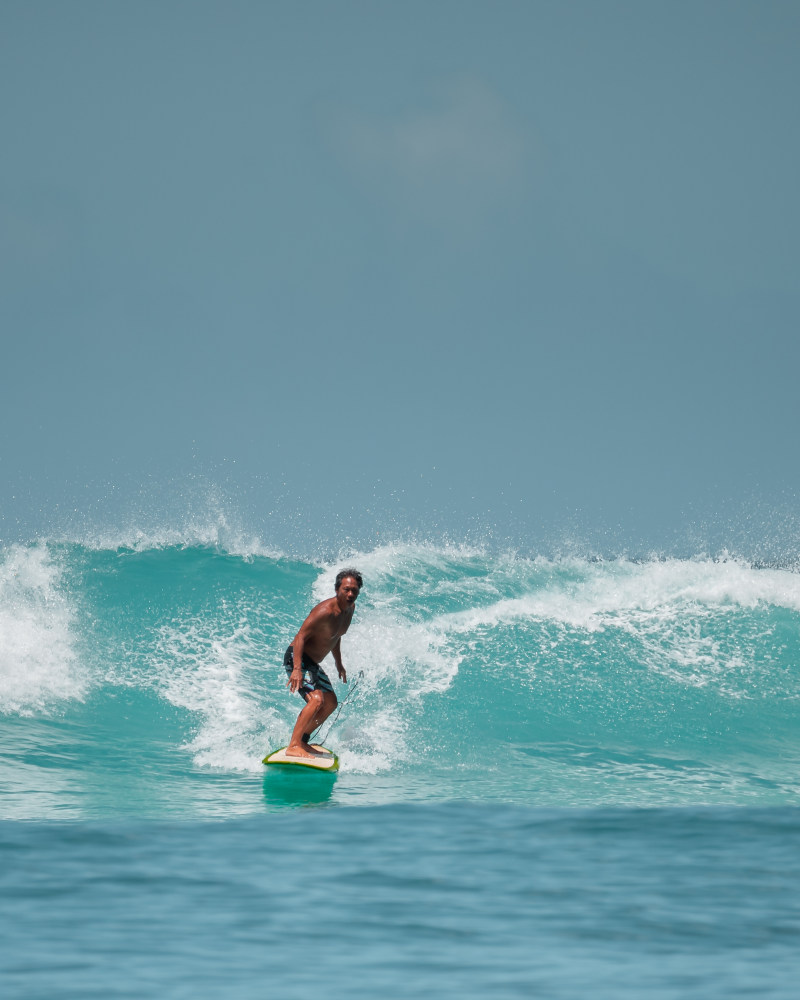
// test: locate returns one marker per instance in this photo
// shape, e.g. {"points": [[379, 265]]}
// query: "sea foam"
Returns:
{"points": [[39, 667]]}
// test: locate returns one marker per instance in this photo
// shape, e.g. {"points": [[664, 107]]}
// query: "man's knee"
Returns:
{"points": [[315, 699]]}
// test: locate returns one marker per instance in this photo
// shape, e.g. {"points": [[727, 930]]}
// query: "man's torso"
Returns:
{"points": [[329, 626]]}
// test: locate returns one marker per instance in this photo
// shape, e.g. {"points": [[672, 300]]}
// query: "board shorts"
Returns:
{"points": [[314, 677]]}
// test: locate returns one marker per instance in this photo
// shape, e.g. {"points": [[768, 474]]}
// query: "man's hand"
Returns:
{"points": [[295, 680], [342, 674]]}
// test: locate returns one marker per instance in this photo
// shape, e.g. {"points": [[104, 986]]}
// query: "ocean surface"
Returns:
{"points": [[560, 777]]}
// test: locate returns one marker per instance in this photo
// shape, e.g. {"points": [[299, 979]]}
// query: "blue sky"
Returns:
{"points": [[447, 265]]}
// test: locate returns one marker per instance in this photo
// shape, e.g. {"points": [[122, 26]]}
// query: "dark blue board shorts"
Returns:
{"points": [[314, 677]]}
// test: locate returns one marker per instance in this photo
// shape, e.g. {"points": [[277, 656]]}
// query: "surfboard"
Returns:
{"points": [[330, 762]]}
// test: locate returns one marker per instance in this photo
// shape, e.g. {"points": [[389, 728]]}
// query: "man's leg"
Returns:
{"points": [[329, 703], [318, 706]]}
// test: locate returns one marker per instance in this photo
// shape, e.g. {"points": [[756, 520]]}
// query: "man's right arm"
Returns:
{"points": [[296, 676]]}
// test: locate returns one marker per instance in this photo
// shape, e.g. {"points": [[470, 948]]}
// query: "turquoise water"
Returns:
{"points": [[557, 776]]}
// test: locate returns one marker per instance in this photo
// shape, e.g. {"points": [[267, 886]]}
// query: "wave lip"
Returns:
{"points": [[588, 595], [201, 533]]}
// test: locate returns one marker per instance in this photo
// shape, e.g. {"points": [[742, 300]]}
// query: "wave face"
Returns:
{"points": [[147, 679]]}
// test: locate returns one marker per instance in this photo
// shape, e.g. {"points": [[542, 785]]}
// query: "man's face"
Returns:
{"points": [[348, 591]]}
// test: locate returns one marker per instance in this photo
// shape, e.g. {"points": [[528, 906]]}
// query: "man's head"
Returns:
{"points": [[342, 575], [348, 585]]}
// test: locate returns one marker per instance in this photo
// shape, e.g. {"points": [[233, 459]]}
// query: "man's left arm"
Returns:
{"points": [[337, 659]]}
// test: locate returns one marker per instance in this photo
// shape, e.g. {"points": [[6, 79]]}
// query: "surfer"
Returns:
{"points": [[321, 633]]}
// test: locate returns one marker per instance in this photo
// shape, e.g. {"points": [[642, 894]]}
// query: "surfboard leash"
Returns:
{"points": [[342, 703]]}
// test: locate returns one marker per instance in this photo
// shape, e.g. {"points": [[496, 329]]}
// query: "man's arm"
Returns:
{"points": [[296, 676]]}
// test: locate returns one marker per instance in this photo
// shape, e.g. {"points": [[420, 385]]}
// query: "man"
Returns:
{"points": [[321, 633]]}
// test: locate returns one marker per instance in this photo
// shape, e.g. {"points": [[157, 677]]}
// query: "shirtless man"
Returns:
{"points": [[321, 633]]}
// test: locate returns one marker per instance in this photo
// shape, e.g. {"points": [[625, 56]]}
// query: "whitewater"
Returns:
{"points": [[559, 774]]}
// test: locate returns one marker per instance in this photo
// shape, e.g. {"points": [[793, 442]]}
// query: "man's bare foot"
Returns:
{"points": [[303, 750]]}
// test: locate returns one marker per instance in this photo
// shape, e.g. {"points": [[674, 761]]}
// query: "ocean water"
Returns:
{"points": [[560, 777]]}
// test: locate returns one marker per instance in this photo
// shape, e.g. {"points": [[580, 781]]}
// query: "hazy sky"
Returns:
{"points": [[534, 259]]}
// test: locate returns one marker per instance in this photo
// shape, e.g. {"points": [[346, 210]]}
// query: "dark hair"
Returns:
{"points": [[349, 572]]}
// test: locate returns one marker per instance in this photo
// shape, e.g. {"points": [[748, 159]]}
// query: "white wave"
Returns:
{"points": [[597, 592], [38, 662], [401, 561], [210, 533], [372, 740], [214, 673], [666, 614]]}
